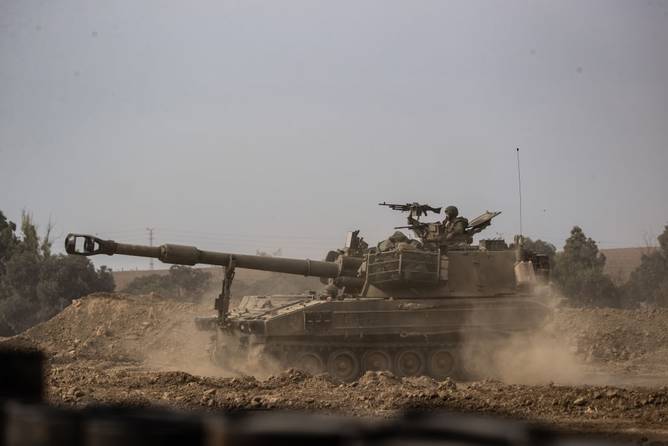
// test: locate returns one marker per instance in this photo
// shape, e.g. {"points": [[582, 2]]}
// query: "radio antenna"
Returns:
{"points": [[519, 187]]}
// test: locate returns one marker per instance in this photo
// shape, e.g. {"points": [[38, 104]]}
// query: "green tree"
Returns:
{"points": [[23, 271], [578, 273], [8, 240], [63, 278], [34, 284], [649, 282], [30, 241]]}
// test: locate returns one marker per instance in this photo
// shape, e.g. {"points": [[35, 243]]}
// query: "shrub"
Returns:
{"points": [[181, 282]]}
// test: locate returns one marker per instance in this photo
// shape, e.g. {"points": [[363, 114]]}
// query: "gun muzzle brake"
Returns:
{"points": [[88, 245]]}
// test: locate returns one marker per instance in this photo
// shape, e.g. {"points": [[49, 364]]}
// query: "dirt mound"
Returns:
{"points": [[635, 340], [116, 327]]}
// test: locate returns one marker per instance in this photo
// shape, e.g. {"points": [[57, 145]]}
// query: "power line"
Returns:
{"points": [[221, 235], [245, 236]]}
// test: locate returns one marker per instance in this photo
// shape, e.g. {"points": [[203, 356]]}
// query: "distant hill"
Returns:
{"points": [[620, 262]]}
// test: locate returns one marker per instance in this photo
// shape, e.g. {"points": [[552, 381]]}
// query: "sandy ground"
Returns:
{"points": [[601, 371]]}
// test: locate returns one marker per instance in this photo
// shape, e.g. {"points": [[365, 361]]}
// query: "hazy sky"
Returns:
{"points": [[261, 125]]}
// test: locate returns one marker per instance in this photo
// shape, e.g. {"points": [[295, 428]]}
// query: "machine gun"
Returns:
{"points": [[415, 210]]}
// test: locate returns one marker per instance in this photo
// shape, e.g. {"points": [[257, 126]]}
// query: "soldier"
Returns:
{"points": [[454, 227]]}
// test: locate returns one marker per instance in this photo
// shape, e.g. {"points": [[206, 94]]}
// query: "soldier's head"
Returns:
{"points": [[451, 212]]}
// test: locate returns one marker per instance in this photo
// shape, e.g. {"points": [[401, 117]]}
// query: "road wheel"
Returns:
{"points": [[376, 360], [409, 363], [310, 362], [441, 364], [343, 365]]}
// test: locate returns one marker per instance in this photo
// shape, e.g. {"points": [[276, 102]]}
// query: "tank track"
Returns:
{"points": [[347, 361]]}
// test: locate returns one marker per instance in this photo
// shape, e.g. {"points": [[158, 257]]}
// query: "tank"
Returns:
{"points": [[410, 306]]}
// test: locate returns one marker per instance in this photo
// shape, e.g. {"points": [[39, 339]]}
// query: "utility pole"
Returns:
{"points": [[519, 187], [150, 243]]}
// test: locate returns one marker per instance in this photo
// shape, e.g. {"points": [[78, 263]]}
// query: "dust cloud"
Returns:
{"points": [[592, 346], [538, 356], [185, 348], [537, 359]]}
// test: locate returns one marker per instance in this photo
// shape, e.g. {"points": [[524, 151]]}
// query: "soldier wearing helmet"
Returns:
{"points": [[454, 226]]}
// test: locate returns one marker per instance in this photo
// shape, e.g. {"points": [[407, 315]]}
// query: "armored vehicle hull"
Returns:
{"points": [[437, 337]]}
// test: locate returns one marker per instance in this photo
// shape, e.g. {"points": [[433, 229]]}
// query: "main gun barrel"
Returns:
{"points": [[87, 245]]}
